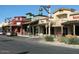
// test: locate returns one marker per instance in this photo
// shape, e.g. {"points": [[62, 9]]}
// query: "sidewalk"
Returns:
{"points": [[23, 35], [59, 44], [29, 36], [42, 41]]}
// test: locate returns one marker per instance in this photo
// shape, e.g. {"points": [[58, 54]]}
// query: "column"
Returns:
{"points": [[69, 30], [46, 28], [73, 29], [21, 31], [41, 31], [29, 29], [49, 29], [68, 16], [38, 30], [61, 29], [33, 30]]}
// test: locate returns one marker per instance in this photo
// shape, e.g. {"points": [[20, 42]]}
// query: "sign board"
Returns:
{"points": [[42, 21], [18, 23], [76, 17]]}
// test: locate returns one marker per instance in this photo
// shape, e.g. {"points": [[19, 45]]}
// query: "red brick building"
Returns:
{"points": [[17, 25]]}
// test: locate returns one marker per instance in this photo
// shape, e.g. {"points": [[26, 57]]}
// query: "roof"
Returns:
{"points": [[75, 13], [20, 16], [41, 15], [32, 22], [61, 9], [25, 20], [36, 21]]}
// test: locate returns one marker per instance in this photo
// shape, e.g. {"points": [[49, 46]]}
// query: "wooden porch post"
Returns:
{"points": [[38, 29], [73, 29], [46, 28], [61, 29], [33, 29]]}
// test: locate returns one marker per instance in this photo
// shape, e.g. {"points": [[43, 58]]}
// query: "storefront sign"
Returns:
{"points": [[76, 17], [18, 23], [42, 21]]}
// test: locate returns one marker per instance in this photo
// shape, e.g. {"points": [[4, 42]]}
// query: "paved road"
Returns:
{"points": [[19, 45]]}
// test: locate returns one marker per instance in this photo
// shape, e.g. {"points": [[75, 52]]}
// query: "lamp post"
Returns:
{"points": [[49, 14], [47, 9]]}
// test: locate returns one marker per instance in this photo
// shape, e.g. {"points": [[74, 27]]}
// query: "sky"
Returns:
{"points": [[20, 10]]}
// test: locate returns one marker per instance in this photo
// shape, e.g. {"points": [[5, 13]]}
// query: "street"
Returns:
{"points": [[22, 45]]}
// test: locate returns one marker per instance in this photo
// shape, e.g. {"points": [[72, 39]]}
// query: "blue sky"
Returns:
{"points": [[21, 10]]}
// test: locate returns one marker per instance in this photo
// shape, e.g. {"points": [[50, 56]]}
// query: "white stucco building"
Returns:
{"points": [[63, 21]]}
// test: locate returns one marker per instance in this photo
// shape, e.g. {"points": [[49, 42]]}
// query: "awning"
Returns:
{"points": [[56, 25], [71, 22]]}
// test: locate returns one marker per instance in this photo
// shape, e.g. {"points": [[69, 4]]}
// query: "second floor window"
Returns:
{"points": [[62, 16]]}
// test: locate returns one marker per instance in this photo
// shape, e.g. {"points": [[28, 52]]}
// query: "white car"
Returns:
{"points": [[8, 34], [1, 33]]}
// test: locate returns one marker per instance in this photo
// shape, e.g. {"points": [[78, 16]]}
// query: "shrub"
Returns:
{"points": [[75, 41], [71, 36], [70, 39], [49, 38], [64, 39]]}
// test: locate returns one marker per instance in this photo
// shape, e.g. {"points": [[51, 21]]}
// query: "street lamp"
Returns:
{"points": [[49, 21]]}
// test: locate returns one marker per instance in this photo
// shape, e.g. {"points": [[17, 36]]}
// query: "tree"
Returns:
{"points": [[29, 15]]}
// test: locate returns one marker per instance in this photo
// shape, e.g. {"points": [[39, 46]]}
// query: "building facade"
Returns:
{"points": [[63, 21], [16, 25], [66, 22], [39, 25]]}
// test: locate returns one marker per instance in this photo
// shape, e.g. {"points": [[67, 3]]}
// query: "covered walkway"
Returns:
{"points": [[71, 27]]}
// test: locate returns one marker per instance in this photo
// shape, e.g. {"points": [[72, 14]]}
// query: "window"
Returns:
{"points": [[20, 19], [62, 16], [16, 18]]}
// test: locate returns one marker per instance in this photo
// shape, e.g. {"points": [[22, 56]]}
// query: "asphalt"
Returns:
{"points": [[25, 45]]}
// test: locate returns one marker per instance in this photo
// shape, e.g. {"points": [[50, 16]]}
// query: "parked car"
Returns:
{"points": [[11, 34], [1, 33], [8, 34]]}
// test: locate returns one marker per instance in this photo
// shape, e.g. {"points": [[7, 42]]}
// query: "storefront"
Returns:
{"points": [[73, 24], [72, 27], [17, 25]]}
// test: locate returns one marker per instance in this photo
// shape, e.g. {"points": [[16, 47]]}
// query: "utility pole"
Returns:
{"points": [[47, 9], [49, 21]]}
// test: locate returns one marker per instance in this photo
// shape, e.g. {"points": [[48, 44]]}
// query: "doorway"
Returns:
{"points": [[65, 31], [77, 30]]}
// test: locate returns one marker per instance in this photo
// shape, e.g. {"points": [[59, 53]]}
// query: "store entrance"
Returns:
{"points": [[77, 30], [65, 31]]}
